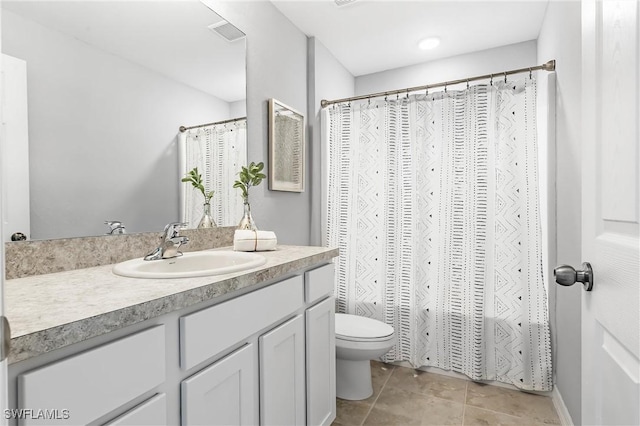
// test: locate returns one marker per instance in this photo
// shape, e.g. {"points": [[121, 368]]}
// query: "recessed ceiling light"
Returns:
{"points": [[429, 43]]}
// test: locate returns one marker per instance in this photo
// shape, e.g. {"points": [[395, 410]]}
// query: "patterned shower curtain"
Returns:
{"points": [[433, 203], [219, 151]]}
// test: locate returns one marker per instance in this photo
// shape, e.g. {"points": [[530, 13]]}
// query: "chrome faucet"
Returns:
{"points": [[171, 242], [115, 227]]}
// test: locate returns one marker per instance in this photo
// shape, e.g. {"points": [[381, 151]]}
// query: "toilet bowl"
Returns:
{"points": [[359, 340]]}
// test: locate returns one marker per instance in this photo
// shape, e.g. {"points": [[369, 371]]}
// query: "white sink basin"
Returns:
{"points": [[194, 264]]}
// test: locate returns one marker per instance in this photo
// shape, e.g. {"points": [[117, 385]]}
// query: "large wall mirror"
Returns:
{"points": [[96, 94]]}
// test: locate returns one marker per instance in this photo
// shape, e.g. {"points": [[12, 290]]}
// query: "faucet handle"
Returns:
{"points": [[115, 227], [172, 229]]}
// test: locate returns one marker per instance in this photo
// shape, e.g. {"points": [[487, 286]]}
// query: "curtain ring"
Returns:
{"points": [[467, 83], [445, 87], [385, 98], [369, 101], [426, 92], [397, 96], [530, 76], [505, 76], [407, 93], [491, 80]]}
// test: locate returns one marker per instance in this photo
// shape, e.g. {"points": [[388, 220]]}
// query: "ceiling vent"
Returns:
{"points": [[344, 2], [227, 31]]}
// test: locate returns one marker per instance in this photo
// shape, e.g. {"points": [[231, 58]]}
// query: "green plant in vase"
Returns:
{"points": [[195, 179], [249, 176]]}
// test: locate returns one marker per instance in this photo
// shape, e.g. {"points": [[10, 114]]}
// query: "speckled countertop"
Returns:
{"points": [[50, 311]]}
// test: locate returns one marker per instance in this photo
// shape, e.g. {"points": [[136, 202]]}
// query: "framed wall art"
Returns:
{"points": [[286, 148]]}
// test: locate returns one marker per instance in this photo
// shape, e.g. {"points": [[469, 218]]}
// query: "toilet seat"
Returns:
{"points": [[355, 328]]}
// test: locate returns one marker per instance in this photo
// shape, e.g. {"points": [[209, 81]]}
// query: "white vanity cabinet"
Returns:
{"points": [[264, 357], [295, 355]]}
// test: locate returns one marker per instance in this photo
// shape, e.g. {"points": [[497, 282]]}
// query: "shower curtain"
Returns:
{"points": [[433, 203], [218, 151]]}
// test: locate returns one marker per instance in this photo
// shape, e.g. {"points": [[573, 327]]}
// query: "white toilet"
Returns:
{"points": [[359, 340]]}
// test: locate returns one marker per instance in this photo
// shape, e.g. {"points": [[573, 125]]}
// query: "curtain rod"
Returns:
{"points": [[548, 66], [231, 120]]}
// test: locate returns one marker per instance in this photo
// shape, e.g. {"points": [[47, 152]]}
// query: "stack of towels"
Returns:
{"points": [[246, 240]]}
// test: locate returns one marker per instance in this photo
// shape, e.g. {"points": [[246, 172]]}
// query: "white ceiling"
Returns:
{"points": [[168, 37], [369, 36]]}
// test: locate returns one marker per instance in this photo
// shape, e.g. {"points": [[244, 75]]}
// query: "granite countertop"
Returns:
{"points": [[50, 311]]}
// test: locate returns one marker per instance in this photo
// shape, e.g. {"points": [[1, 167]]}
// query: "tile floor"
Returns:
{"points": [[403, 396]]}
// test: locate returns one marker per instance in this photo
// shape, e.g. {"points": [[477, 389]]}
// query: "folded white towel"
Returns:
{"points": [[245, 240]]}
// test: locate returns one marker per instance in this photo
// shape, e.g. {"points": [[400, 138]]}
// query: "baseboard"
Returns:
{"points": [[561, 409]]}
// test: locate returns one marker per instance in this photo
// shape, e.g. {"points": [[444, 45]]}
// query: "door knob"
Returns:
{"points": [[567, 276]]}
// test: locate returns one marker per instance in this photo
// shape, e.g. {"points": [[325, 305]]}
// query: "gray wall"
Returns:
{"points": [[276, 68], [560, 39], [102, 134], [328, 79]]}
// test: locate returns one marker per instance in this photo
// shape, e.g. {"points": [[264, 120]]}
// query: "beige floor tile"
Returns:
{"points": [[474, 416], [442, 412], [537, 408], [395, 401], [379, 416], [380, 373], [351, 413], [430, 384]]}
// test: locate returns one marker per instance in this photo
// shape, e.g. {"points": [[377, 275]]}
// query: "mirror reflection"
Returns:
{"points": [[98, 92], [215, 152]]}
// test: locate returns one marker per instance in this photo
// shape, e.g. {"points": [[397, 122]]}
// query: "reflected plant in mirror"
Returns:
{"points": [[249, 176], [195, 179]]}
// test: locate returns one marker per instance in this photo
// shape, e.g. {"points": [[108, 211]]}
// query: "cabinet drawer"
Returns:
{"points": [[93, 383], [318, 283], [152, 412], [206, 333]]}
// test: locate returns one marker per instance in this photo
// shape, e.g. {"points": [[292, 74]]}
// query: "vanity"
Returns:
{"points": [[247, 348]]}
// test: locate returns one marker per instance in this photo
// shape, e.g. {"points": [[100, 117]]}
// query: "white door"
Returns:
{"points": [[282, 371], [610, 209], [224, 393]]}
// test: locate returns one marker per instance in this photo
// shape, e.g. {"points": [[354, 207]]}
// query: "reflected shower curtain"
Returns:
{"points": [[433, 203], [218, 151]]}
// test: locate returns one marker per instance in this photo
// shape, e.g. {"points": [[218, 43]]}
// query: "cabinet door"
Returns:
{"points": [[321, 363], [152, 412], [223, 393], [282, 371]]}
